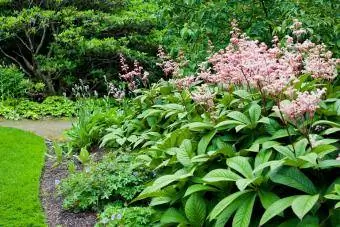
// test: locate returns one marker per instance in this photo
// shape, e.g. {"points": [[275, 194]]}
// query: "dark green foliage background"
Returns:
{"points": [[83, 40]]}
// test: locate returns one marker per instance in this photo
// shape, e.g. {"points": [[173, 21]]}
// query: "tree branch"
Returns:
{"points": [[15, 60], [29, 40], [27, 63], [41, 41], [23, 42]]}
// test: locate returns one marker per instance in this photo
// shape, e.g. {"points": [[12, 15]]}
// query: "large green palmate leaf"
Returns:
{"points": [[304, 203], [224, 203], [196, 209], [243, 214], [293, 177], [276, 208]]}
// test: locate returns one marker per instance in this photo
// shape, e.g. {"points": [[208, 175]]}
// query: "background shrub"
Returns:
{"points": [[12, 82]]}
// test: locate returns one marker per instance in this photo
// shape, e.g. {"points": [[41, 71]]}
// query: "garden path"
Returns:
{"points": [[52, 129]]}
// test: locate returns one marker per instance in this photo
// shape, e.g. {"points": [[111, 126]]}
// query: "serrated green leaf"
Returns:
{"points": [[272, 164], [184, 158], [310, 157], [217, 175], [330, 131], [204, 142], [243, 183], [241, 165], [223, 218], [198, 188], [243, 214], [227, 124], [293, 177], [300, 147], [329, 164], [160, 200], [337, 205], [195, 210], [238, 116], [224, 203], [267, 198], [254, 113], [285, 151], [173, 216], [187, 146], [325, 122], [198, 126], [276, 208], [324, 149], [303, 204], [262, 157]]}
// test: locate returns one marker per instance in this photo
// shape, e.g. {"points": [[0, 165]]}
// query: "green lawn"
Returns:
{"points": [[21, 162]]}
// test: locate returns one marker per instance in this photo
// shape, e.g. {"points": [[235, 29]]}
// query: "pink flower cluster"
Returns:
{"points": [[305, 103], [131, 76], [271, 69], [297, 29], [204, 96], [184, 83], [169, 66]]}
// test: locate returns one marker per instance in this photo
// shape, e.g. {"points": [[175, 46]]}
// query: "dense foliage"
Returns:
{"points": [[52, 106], [254, 130], [240, 131], [59, 42]]}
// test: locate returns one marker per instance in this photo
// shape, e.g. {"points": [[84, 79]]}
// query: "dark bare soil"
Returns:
{"points": [[52, 203]]}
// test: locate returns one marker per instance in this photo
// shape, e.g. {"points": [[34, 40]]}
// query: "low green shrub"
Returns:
{"points": [[115, 215], [12, 82], [114, 178], [53, 106]]}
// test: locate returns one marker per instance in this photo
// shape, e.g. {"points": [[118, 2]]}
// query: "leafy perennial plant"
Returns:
{"points": [[253, 134]]}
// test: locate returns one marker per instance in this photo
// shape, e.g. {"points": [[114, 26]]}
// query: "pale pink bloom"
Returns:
{"points": [[130, 76], [168, 66], [185, 83], [250, 63], [305, 103], [203, 96]]}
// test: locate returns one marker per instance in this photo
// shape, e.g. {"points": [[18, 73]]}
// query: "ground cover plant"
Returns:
{"points": [[52, 106], [20, 168], [250, 140]]}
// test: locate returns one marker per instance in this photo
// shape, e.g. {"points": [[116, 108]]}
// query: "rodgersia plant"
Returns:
{"points": [[239, 161], [248, 157]]}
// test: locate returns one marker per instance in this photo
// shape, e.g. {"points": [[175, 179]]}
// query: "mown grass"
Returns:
{"points": [[21, 162]]}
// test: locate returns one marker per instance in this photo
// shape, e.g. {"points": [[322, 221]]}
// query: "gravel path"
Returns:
{"points": [[48, 128]]}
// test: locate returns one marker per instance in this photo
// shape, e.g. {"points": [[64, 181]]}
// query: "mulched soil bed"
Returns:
{"points": [[52, 203]]}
